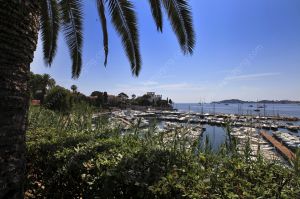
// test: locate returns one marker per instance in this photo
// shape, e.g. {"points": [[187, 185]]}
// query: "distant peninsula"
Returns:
{"points": [[237, 101]]}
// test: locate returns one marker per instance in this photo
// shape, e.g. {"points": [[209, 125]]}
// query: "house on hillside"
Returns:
{"points": [[153, 97]]}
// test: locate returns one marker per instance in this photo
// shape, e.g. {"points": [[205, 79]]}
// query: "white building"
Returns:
{"points": [[154, 97]]}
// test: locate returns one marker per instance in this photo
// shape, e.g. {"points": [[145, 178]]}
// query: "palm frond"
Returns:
{"points": [[101, 11], [49, 28], [179, 13], [71, 11], [124, 19], [155, 6]]}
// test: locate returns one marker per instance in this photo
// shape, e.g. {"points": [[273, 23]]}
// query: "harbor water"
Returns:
{"points": [[217, 135], [292, 110]]}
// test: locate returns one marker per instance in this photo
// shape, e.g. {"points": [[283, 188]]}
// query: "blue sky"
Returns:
{"points": [[246, 49]]}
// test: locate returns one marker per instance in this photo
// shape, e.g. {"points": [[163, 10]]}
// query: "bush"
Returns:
{"points": [[59, 99], [76, 160]]}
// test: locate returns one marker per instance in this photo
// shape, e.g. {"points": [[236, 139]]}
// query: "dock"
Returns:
{"points": [[283, 150], [124, 121]]}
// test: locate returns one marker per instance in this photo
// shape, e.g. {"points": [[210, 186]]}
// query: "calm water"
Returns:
{"points": [[270, 109], [216, 136]]}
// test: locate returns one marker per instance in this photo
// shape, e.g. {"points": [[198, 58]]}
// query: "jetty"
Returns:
{"points": [[283, 150]]}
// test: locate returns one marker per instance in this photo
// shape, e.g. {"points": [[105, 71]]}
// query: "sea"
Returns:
{"points": [[217, 135], [292, 110]]}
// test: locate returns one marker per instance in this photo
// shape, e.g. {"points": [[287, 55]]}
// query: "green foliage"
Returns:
{"points": [[74, 88], [59, 99], [101, 11], [179, 13], [124, 20], [67, 15], [49, 19], [39, 85], [69, 157], [123, 95], [155, 6], [143, 100], [72, 17], [296, 162], [100, 99]]}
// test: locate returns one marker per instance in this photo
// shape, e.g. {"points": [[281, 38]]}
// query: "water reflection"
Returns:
{"points": [[216, 136]]}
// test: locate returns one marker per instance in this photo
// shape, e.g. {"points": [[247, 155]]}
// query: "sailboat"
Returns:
{"points": [[257, 108], [262, 106]]}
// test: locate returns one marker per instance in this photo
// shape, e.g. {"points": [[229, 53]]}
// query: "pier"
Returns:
{"points": [[283, 150]]}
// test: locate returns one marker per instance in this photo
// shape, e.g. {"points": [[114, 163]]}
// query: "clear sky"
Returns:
{"points": [[246, 49]]}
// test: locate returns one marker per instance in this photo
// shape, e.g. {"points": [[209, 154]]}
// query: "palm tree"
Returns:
{"points": [[46, 84], [40, 84], [20, 21], [74, 88], [50, 84]]}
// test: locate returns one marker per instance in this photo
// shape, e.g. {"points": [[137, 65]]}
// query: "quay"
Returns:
{"points": [[283, 150]]}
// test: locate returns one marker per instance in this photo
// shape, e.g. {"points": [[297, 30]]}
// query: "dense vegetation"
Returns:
{"points": [[39, 85], [58, 98], [49, 17], [68, 157]]}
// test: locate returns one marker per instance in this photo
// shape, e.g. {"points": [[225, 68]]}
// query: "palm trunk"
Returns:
{"points": [[18, 38]]}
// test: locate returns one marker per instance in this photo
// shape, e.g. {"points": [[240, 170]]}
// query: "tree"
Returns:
{"points": [[133, 96], [20, 21], [59, 99], [162, 103], [47, 83], [123, 96], [105, 98], [144, 100], [100, 100], [39, 85], [96, 93], [74, 88], [35, 85], [170, 101]]}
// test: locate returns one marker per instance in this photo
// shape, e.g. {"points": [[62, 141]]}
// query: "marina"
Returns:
{"points": [[273, 137], [258, 146], [287, 139], [259, 122]]}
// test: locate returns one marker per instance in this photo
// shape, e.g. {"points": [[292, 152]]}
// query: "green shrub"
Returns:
{"points": [[75, 160], [58, 99]]}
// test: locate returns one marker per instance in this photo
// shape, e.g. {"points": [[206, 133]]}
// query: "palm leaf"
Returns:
{"points": [[179, 13], [156, 13], [49, 28], [124, 19], [71, 11], [101, 11]]}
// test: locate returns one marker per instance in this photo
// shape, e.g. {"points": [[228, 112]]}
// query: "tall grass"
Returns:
{"points": [[76, 156]]}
